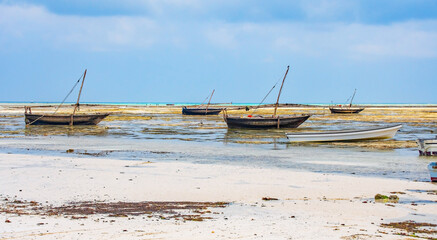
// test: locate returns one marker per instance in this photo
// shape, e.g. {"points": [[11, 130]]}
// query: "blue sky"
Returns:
{"points": [[179, 50]]}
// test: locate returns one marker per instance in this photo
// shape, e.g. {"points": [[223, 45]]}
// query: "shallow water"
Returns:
{"points": [[402, 164], [200, 139], [199, 128]]}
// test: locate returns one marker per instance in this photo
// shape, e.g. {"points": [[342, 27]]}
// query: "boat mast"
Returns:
{"points": [[350, 104], [78, 98], [209, 100], [279, 94]]}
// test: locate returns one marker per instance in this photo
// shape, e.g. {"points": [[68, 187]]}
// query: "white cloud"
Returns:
{"points": [[33, 24], [413, 39], [326, 8], [162, 6], [408, 39], [22, 25], [223, 37]]}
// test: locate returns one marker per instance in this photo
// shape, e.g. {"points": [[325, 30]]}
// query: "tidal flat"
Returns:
{"points": [[166, 122], [249, 184]]}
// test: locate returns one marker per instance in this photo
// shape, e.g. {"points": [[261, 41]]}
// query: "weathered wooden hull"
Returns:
{"points": [[265, 122], [345, 110], [50, 119], [427, 147], [350, 135], [201, 111]]}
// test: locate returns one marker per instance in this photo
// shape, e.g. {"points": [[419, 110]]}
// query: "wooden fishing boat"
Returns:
{"points": [[348, 109], [432, 167], [345, 110], [52, 119], [57, 119], [347, 135], [274, 121], [199, 110], [285, 121], [427, 147]]}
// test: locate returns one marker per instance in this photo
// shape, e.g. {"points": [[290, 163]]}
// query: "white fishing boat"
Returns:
{"points": [[427, 147], [346, 135], [432, 167]]}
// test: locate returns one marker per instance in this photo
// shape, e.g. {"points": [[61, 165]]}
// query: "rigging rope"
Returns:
{"points": [[78, 80], [204, 100], [350, 98], [266, 96], [347, 100]]}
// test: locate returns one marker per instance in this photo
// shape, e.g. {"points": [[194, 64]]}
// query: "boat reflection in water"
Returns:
{"points": [[66, 130]]}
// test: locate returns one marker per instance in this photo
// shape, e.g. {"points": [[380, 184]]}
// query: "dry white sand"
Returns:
{"points": [[310, 205]]}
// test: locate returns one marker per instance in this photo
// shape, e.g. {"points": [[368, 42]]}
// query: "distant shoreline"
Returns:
{"points": [[169, 104]]}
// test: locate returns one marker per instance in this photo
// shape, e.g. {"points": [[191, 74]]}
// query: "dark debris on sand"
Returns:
{"points": [[189, 211], [413, 228]]}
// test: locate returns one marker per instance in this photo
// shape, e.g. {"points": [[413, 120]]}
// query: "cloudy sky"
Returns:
{"points": [[179, 50]]}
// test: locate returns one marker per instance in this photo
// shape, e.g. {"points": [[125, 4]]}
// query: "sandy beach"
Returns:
{"points": [[210, 183]]}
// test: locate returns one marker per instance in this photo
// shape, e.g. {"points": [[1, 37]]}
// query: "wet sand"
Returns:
{"points": [[308, 206], [109, 165]]}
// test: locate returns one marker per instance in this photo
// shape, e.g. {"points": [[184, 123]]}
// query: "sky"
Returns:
{"points": [[180, 50]]}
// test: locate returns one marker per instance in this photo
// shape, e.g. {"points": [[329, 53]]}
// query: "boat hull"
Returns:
{"points": [[354, 135], [427, 147], [201, 111], [345, 110], [265, 122], [432, 167], [40, 119]]}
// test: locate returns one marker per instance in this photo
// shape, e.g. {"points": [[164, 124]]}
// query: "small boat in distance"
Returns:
{"points": [[275, 121], [57, 119], [427, 147], [198, 110], [348, 109], [346, 135], [345, 110]]}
